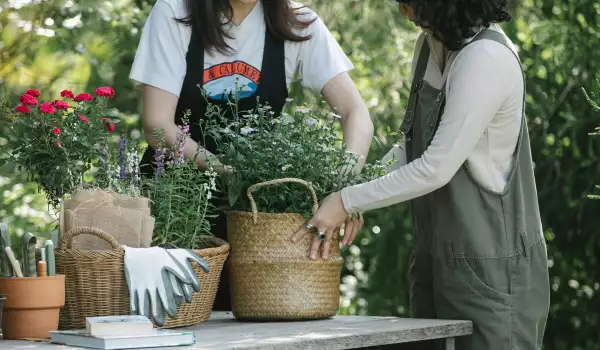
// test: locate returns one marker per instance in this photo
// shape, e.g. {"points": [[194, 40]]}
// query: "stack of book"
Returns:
{"points": [[121, 332]]}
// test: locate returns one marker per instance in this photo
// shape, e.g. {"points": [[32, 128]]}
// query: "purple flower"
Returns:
{"points": [[159, 160], [122, 158], [180, 142]]}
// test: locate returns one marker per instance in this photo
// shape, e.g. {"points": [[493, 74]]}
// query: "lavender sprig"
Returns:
{"points": [[159, 160]]}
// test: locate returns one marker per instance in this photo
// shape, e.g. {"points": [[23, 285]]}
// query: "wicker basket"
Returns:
{"points": [[95, 282], [271, 278]]}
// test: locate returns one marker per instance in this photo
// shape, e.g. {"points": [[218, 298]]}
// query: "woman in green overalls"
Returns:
{"points": [[219, 45], [465, 167]]}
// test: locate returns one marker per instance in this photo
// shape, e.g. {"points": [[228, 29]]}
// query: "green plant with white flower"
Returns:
{"points": [[260, 146]]}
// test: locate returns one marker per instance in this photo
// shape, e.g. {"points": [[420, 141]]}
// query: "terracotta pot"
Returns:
{"points": [[32, 306]]}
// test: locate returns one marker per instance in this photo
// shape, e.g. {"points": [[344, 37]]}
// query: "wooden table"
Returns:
{"points": [[223, 332]]}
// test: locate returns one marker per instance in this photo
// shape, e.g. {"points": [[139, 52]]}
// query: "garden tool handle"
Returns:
{"points": [[252, 188], [66, 240]]}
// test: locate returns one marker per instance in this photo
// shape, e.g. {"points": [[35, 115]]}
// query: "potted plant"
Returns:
{"points": [[283, 166], [180, 200], [30, 298], [55, 142]]}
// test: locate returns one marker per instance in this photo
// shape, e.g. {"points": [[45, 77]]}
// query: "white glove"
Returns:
{"points": [[150, 273]]}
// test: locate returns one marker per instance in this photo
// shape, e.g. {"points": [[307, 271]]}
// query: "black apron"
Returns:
{"points": [[272, 89]]}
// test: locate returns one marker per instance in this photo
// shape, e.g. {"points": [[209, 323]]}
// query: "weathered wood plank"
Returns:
{"points": [[222, 332]]}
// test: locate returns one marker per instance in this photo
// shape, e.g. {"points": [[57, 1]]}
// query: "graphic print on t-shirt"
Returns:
{"points": [[220, 80]]}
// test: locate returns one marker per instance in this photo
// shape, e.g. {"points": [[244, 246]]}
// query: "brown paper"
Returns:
{"points": [[126, 218]]}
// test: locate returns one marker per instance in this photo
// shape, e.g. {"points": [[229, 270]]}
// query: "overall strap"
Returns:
{"points": [[416, 84]]}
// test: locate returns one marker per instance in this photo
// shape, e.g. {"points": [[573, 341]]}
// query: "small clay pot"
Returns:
{"points": [[32, 306]]}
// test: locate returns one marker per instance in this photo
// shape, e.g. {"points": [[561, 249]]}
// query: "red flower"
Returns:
{"points": [[83, 97], [32, 92], [84, 119], [110, 126], [47, 108], [60, 104], [56, 131], [105, 91], [28, 100], [67, 94], [57, 143], [23, 109]]}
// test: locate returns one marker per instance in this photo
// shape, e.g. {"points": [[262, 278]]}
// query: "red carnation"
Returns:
{"points": [[32, 92], [84, 119], [83, 97], [56, 131], [23, 109], [110, 126], [60, 104], [28, 100], [105, 91], [47, 108], [67, 94]]}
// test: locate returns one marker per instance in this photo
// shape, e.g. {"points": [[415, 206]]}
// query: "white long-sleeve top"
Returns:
{"points": [[479, 127]]}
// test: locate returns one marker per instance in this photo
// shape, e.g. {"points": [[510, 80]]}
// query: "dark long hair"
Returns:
{"points": [[453, 21], [204, 16]]}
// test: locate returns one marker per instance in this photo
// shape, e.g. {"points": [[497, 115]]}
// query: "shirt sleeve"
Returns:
{"points": [[160, 57], [321, 58], [481, 80]]}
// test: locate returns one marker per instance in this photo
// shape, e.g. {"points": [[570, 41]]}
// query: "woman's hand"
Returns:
{"points": [[327, 221]]}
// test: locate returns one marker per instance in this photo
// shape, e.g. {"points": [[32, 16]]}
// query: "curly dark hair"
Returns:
{"points": [[452, 21]]}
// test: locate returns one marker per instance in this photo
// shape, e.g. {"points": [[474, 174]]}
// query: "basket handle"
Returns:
{"points": [[255, 187], [66, 240]]}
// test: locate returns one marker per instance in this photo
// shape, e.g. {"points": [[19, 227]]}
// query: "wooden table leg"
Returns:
{"points": [[449, 343]]}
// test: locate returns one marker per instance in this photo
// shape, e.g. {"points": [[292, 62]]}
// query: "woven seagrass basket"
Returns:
{"points": [[271, 278], [95, 282]]}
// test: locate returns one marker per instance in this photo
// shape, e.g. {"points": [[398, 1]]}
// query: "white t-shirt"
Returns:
{"points": [[160, 58], [479, 127]]}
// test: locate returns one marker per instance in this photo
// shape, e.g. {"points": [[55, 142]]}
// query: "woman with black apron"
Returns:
{"points": [[222, 45]]}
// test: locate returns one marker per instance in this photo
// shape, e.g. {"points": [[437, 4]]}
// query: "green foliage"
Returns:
{"points": [[304, 145], [181, 197]]}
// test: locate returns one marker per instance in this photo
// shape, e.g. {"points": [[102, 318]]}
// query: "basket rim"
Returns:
{"points": [[222, 249], [249, 214]]}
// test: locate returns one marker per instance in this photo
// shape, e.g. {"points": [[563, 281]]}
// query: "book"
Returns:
{"points": [[118, 325], [159, 338]]}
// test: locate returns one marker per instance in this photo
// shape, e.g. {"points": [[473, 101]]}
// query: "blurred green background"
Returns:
{"points": [[57, 44]]}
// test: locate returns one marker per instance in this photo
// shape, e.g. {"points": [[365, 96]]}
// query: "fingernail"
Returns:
{"points": [[313, 256]]}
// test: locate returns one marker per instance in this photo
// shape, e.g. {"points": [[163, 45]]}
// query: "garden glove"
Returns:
{"points": [[183, 291], [148, 273]]}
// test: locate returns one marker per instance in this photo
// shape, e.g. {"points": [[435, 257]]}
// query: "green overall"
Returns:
{"points": [[479, 255]]}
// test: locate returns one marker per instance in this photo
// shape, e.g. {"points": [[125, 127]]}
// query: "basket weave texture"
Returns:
{"points": [[95, 282], [271, 278]]}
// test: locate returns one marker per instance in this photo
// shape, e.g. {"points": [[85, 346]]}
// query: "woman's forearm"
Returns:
{"points": [[158, 113], [192, 151], [358, 133], [342, 95]]}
